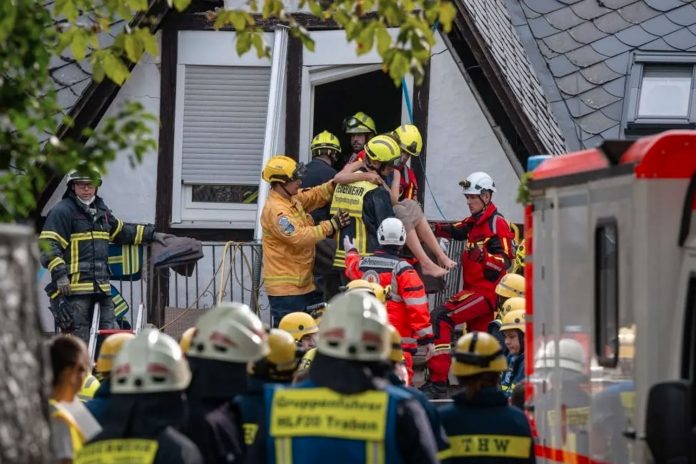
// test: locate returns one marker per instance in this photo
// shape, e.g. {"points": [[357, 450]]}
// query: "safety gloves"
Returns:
{"points": [[63, 285], [339, 220], [160, 238], [348, 244]]}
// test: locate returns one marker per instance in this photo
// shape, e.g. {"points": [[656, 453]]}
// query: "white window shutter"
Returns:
{"points": [[224, 119]]}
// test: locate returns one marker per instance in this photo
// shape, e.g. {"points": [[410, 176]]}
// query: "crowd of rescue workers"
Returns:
{"points": [[322, 382]]}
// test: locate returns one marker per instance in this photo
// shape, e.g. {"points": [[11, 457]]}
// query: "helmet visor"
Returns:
{"points": [[299, 172], [355, 125]]}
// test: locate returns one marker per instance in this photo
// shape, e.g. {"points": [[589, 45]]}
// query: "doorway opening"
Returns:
{"points": [[373, 93]]}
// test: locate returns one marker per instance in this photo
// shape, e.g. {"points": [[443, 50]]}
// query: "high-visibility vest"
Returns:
{"points": [[120, 450], [351, 198], [76, 436]]}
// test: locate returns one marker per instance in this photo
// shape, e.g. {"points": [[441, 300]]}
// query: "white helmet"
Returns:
{"points": [[230, 332], [571, 355], [152, 362], [391, 232], [355, 327], [476, 183]]}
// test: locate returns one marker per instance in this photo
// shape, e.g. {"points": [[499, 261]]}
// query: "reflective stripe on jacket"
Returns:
{"points": [[74, 242], [289, 238]]}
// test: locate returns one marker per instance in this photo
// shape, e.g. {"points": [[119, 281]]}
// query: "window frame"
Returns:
{"points": [[602, 336], [207, 48], [634, 124]]}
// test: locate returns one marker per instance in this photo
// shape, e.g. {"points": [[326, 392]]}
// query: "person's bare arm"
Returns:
{"points": [[394, 188], [350, 174]]}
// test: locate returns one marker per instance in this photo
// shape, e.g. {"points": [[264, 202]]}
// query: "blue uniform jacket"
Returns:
{"points": [[513, 375], [97, 405]]}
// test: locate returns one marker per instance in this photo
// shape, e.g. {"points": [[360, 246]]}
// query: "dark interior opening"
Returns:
{"points": [[373, 93]]}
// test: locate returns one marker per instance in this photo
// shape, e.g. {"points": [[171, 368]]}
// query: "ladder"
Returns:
{"points": [[95, 331]]}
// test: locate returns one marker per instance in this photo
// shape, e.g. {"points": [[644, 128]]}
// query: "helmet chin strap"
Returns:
{"points": [[285, 190]]}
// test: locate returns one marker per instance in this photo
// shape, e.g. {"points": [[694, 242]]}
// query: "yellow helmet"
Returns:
{"points": [[520, 254], [477, 352], [397, 353], [511, 285], [325, 140], [409, 138], [282, 168], [186, 337], [514, 320], [110, 348], [89, 387], [298, 325], [373, 288], [307, 359], [383, 149], [359, 123], [281, 360], [512, 304]]}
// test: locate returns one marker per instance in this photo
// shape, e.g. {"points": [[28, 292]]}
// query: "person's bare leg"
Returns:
{"points": [[428, 237], [427, 265]]}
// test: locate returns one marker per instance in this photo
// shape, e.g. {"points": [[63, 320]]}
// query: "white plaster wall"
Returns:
{"points": [[461, 141]]}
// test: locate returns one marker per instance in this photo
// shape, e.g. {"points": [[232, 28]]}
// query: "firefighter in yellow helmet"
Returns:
{"points": [[509, 297], [290, 235], [277, 367], [360, 128], [393, 427], [372, 288], [480, 424], [302, 327], [107, 353], [366, 203], [325, 149], [411, 143], [513, 329]]}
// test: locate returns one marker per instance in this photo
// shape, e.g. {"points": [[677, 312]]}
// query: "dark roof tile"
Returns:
{"points": [[684, 16], [546, 51], [574, 84], [564, 19], [586, 33], [543, 6], [585, 56], [659, 25], [561, 43], [611, 23], [541, 28], [589, 9], [609, 46], [613, 133], [616, 87], [577, 108], [561, 66], [658, 45], [637, 12], [529, 13], [598, 98], [682, 39], [664, 5], [593, 141], [619, 63], [599, 73], [614, 111], [614, 4], [596, 123], [635, 36]]}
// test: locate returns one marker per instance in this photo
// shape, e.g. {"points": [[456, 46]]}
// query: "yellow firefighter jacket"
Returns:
{"points": [[289, 237]]}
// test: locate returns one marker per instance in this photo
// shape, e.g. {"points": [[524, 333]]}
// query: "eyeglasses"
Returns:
{"points": [[83, 185]]}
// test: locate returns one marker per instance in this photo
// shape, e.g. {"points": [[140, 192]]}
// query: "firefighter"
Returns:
{"points": [[290, 236], [227, 337], [514, 303], [147, 406], [277, 367], [70, 365], [74, 245], [366, 203], [513, 330], [302, 327], [390, 427], [407, 306], [488, 253], [411, 143], [360, 128], [480, 424], [108, 351]]}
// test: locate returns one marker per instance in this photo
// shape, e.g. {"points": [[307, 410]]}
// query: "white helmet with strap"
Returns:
{"points": [[152, 362], [355, 327], [230, 332], [391, 232], [476, 183]]}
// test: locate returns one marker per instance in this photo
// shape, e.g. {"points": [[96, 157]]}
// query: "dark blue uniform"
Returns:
{"points": [[252, 421], [513, 375], [486, 429], [97, 405], [318, 172]]}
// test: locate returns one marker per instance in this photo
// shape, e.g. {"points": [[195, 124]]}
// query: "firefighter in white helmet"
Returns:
{"points": [[226, 338], [354, 335], [480, 424], [147, 406]]}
